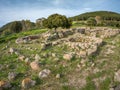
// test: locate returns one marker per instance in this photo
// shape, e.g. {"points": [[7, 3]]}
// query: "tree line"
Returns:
{"points": [[99, 18], [105, 15]]}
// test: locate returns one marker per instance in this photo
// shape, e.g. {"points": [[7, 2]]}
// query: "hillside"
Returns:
{"points": [[69, 59], [16, 27], [106, 15], [76, 58]]}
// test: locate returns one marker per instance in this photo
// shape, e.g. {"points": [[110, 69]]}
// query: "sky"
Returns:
{"points": [[11, 10]]}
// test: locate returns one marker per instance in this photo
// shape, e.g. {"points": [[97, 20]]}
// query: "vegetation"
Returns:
{"points": [[103, 18], [53, 21], [106, 69], [16, 27], [27, 25], [6, 38], [91, 21], [96, 73], [105, 15], [56, 20]]}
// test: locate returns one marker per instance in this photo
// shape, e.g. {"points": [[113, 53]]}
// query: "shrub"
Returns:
{"points": [[56, 20], [91, 21]]}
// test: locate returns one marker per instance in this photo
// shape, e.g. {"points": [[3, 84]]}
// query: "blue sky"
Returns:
{"points": [[11, 10]]}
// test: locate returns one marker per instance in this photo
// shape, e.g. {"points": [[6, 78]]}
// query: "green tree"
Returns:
{"points": [[91, 21], [16, 26], [27, 25], [57, 20], [6, 32]]}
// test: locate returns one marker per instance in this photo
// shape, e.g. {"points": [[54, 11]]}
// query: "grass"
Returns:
{"points": [[56, 65], [16, 35], [77, 24], [89, 86], [105, 84]]}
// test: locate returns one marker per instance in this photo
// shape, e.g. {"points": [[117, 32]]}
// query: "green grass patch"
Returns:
{"points": [[16, 35], [89, 86]]}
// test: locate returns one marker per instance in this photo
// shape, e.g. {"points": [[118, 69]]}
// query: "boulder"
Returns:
{"points": [[117, 76], [117, 87], [45, 45], [82, 53], [111, 89], [60, 34], [35, 65], [27, 83], [33, 37], [19, 40], [82, 31], [27, 60], [12, 50], [44, 73], [67, 33], [55, 43], [91, 51], [17, 53], [21, 57], [12, 75], [4, 85], [53, 37], [37, 57], [53, 55], [58, 76], [26, 39], [67, 56]]}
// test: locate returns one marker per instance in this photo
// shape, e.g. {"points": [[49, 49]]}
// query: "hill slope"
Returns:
{"points": [[16, 26], [106, 15], [67, 55]]}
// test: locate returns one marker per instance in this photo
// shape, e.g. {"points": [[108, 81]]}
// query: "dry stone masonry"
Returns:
{"points": [[83, 41]]}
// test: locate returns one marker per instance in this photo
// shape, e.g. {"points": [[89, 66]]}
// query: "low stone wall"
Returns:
{"points": [[84, 45], [84, 41], [26, 39], [102, 32]]}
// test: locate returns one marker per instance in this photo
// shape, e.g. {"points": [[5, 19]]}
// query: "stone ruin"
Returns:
{"points": [[83, 41], [102, 32], [26, 39]]}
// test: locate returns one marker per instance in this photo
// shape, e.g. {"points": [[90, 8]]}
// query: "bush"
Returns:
{"points": [[16, 26], [7, 32], [56, 20], [91, 21]]}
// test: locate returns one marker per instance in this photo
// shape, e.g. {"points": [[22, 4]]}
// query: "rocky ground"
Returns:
{"points": [[73, 59]]}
